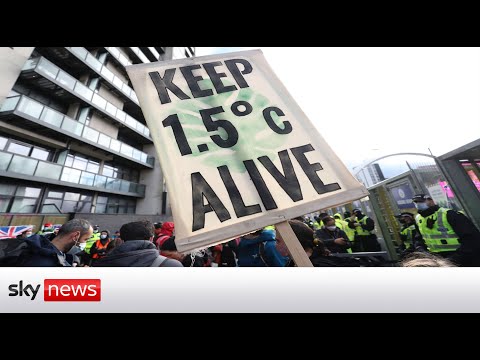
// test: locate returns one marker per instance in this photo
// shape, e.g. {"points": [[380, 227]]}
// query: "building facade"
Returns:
{"points": [[370, 175], [74, 142]]}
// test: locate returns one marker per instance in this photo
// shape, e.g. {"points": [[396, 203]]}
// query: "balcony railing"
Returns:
{"points": [[22, 105], [122, 59], [154, 52], [140, 54], [27, 166], [84, 55], [68, 82]]}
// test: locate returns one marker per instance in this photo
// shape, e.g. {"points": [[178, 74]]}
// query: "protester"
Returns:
{"points": [[259, 249], [334, 238], [157, 230], [43, 252], [25, 234], [137, 249], [316, 250], [165, 233], [99, 248]]}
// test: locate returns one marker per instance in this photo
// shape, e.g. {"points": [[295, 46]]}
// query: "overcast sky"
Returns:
{"points": [[370, 102]]}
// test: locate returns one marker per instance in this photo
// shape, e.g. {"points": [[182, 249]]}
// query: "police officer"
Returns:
{"points": [[347, 216], [410, 234], [93, 239], [365, 238], [447, 232]]}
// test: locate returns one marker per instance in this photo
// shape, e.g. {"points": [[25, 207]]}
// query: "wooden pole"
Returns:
{"points": [[284, 230]]}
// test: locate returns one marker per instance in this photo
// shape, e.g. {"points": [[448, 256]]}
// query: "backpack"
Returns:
{"points": [[13, 251]]}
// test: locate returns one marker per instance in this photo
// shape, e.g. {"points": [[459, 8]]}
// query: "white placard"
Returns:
{"points": [[236, 150]]}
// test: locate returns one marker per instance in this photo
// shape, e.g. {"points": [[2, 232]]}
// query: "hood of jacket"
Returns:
{"points": [[130, 253], [167, 228]]}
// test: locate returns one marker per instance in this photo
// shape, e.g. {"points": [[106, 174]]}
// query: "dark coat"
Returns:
{"points": [[135, 253], [328, 237], [43, 253]]}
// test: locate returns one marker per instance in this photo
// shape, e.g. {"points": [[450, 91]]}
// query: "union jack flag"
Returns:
{"points": [[13, 231]]}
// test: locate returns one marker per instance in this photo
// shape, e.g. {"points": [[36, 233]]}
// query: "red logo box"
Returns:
{"points": [[72, 290]]}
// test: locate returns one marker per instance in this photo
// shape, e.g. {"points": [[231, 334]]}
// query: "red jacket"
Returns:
{"points": [[165, 233]]}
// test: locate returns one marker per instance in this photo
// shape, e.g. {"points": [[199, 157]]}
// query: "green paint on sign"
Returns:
{"points": [[255, 138]]}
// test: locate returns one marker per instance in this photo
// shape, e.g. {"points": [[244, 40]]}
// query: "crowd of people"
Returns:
{"points": [[435, 236]]}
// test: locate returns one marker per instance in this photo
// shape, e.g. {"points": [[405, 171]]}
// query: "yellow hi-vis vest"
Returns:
{"points": [[343, 225], [91, 240], [441, 237], [360, 231], [340, 224], [350, 232], [408, 236]]}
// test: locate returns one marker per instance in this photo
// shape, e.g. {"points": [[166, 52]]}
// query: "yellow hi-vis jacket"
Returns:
{"points": [[441, 236]]}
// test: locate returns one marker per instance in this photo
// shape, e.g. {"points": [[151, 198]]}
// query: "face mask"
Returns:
{"points": [[29, 234], [82, 246], [103, 237], [331, 228], [421, 206]]}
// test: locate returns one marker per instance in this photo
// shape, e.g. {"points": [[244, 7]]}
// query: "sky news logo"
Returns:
{"points": [[60, 290]]}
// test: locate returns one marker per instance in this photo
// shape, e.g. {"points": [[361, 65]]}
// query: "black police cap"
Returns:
{"points": [[421, 197]]}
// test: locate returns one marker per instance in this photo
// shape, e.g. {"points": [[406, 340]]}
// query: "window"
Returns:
{"points": [[55, 194], [93, 166], [28, 191], [3, 142], [50, 208], [68, 201], [7, 189], [40, 154], [79, 163], [71, 175], [120, 172], [4, 203], [25, 149], [84, 115], [17, 148], [23, 205], [108, 171], [94, 84], [69, 206], [18, 198], [72, 196], [115, 204], [82, 163]]}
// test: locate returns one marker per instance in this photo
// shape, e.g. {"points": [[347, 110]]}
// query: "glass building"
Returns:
{"points": [[73, 139]]}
